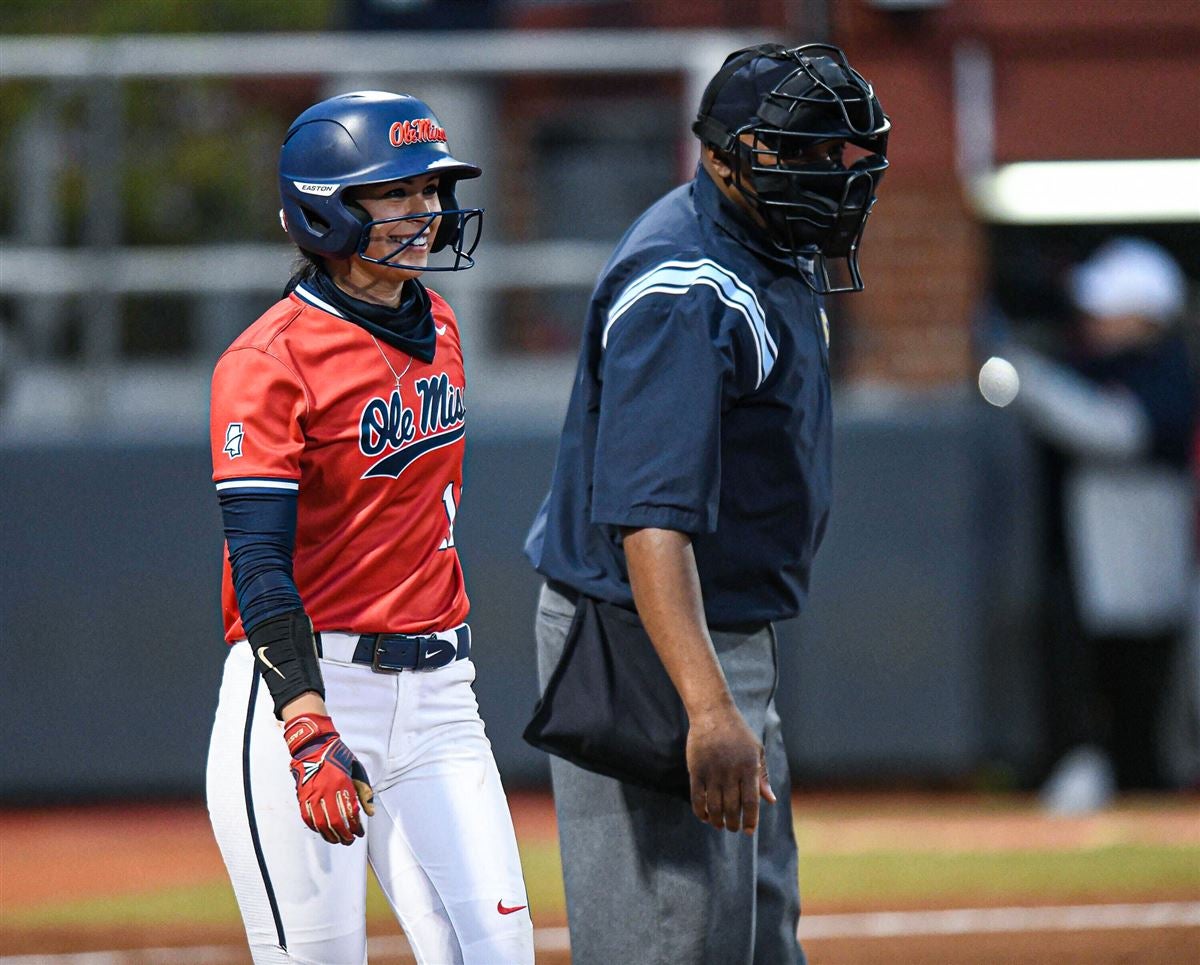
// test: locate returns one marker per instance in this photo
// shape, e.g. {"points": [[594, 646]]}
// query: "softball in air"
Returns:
{"points": [[998, 381]]}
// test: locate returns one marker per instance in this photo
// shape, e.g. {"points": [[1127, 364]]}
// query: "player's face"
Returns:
{"points": [[1108, 336], [401, 199]]}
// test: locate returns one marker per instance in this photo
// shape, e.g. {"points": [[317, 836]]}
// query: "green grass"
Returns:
{"points": [[870, 879], [201, 904], [1115, 873], [214, 903]]}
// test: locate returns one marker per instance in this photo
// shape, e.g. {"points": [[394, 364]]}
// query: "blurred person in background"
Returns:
{"points": [[1116, 415], [690, 494], [347, 728]]}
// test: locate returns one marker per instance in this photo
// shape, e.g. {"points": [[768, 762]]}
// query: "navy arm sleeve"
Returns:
{"points": [[260, 530]]}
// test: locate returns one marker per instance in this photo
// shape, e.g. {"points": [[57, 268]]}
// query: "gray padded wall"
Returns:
{"points": [[109, 618], [911, 660], [919, 604]]}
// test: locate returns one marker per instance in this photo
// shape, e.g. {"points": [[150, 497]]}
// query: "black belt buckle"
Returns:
{"points": [[394, 652], [377, 655]]}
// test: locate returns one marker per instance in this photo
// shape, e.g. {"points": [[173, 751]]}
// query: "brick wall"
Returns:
{"points": [[1073, 79], [922, 261], [1088, 79]]}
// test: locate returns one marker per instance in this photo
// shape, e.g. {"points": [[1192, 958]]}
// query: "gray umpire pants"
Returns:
{"points": [[647, 883]]}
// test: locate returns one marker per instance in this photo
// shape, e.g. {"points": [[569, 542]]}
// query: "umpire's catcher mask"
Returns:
{"points": [[369, 137], [763, 111]]}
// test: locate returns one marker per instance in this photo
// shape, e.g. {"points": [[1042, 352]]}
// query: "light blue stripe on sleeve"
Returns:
{"points": [[679, 277]]}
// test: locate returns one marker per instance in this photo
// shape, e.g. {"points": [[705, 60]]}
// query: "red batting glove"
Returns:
{"points": [[330, 781]]}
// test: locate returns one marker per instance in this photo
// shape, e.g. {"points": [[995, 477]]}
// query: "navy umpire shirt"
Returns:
{"points": [[701, 404]]}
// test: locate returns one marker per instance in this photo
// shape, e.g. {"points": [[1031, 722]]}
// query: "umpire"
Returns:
{"points": [[692, 485]]}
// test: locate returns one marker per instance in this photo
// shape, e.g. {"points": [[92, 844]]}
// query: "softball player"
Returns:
{"points": [[346, 706]]}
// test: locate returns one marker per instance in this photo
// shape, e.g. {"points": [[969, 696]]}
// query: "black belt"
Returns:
{"points": [[563, 590], [403, 651], [572, 595]]}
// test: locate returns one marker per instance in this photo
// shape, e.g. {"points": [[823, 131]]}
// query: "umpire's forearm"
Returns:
{"points": [[666, 590]]}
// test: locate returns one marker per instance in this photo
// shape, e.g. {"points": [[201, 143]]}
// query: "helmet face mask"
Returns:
{"points": [[811, 203], [458, 228], [365, 138]]}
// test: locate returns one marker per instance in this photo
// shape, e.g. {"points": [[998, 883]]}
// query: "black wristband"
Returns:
{"points": [[285, 653]]}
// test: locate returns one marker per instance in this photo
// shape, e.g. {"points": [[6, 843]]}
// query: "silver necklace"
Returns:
{"points": [[395, 374]]}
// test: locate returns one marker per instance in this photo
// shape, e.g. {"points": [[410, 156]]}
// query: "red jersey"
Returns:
{"points": [[304, 401]]}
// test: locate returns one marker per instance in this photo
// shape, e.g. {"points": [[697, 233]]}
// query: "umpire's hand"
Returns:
{"points": [[728, 770], [725, 760]]}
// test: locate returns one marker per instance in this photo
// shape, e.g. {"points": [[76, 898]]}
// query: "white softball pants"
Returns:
{"points": [[441, 842]]}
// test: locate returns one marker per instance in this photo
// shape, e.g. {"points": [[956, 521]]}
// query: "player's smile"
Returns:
{"points": [[419, 240]]}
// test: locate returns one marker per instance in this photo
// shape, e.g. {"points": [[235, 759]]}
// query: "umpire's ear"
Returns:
{"points": [[716, 163], [720, 168]]}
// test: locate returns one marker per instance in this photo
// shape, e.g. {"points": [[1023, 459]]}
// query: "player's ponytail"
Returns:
{"points": [[304, 266]]}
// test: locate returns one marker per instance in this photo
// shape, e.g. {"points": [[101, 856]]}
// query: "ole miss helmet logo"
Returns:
{"points": [[420, 130], [390, 429]]}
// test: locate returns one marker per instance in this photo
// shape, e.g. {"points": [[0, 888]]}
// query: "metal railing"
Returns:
{"points": [[38, 273]]}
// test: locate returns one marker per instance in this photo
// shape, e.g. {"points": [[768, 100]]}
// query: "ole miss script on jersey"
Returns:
{"points": [[304, 403]]}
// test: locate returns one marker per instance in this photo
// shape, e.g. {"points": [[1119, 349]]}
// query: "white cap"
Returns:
{"points": [[1129, 276]]}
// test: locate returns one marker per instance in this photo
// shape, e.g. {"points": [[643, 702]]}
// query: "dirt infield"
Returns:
{"points": [[57, 855], [135, 880], [1165, 947], [848, 823]]}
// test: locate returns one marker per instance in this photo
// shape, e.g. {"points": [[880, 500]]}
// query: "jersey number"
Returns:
{"points": [[451, 508]]}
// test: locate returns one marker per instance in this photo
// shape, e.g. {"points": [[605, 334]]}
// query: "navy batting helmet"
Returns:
{"points": [[368, 137], [787, 101]]}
